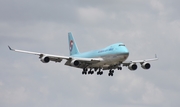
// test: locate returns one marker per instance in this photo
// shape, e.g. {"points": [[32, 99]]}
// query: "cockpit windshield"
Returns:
{"points": [[121, 45]]}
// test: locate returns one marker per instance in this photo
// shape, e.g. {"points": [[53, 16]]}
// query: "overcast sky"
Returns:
{"points": [[147, 27]]}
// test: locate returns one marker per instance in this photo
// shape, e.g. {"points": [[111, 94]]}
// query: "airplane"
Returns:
{"points": [[109, 58]]}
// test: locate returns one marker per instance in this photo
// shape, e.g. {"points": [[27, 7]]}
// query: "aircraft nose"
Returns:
{"points": [[125, 51]]}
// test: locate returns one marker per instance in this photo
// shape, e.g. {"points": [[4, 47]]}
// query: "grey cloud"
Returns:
{"points": [[36, 11]]}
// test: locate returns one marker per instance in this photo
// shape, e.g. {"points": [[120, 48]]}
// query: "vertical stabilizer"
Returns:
{"points": [[72, 45]]}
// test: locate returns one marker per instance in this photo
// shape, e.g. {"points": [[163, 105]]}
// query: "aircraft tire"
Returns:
{"points": [[84, 72], [101, 73], [119, 68], [110, 74], [89, 72]]}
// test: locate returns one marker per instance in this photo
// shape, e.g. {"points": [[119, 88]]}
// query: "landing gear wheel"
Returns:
{"points": [[84, 72], [92, 72], [89, 72], [99, 73], [111, 72], [119, 68]]}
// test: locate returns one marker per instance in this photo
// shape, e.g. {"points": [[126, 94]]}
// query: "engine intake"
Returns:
{"points": [[45, 59], [75, 63], [132, 66], [145, 65]]}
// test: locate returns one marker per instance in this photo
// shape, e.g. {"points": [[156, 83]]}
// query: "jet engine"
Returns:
{"points": [[75, 63], [45, 59], [145, 65], [132, 66]]}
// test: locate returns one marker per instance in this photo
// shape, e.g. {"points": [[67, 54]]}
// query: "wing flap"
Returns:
{"points": [[84, 62], [87, 59]]}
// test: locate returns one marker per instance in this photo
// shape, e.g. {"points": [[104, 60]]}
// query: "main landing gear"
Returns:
{"points": [[99, 72], [84, 72], [111, 72], [90, 72]]}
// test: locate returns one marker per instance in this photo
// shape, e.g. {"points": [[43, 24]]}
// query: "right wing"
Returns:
{"points": [[71, 61], [44, 57]]}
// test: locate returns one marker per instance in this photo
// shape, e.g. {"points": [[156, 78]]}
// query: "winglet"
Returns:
{"points": [[10, 48], [156, 56]]}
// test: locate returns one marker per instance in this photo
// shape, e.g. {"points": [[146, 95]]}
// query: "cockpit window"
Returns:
{"points": [[121, 45]]}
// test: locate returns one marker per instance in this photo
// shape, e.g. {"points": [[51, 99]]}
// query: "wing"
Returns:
{"points": [[44, 57], [144, 63], [71, 61]]}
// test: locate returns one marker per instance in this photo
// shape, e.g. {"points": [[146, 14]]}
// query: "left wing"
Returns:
{"points": [[144, 63], [71, 61]]}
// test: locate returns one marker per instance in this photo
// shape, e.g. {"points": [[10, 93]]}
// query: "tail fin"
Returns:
{"points": [[72, 45]]}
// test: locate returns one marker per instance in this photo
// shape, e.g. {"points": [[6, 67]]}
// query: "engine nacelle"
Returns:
{"points": [[45, 59], [132, 66], [145, 65], [75, 63]]}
